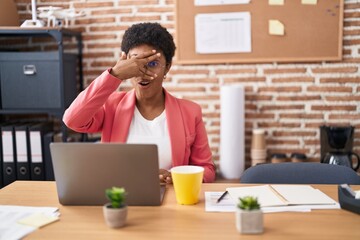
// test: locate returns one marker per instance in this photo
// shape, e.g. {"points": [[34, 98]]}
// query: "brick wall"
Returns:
{"points": [[290, 101]]}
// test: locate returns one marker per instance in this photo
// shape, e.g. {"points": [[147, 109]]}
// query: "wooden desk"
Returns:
{"points": [[173, 221]]}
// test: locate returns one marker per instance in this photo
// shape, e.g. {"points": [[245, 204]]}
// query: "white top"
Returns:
{"points": [[152, 131]]}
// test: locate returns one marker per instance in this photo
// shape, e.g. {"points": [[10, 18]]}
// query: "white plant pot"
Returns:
{"points": [[249, 222], [115, 217]]}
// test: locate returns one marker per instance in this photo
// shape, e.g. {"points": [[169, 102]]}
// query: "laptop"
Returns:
{"points": [[83, 171]]}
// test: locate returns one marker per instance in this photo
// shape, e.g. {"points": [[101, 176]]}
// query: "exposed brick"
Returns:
{"points": [[155, 9], [109, 28], [329, 89], [279, 89], [104, 45], [342, 98], [314, 124], [99, 36], [260, 115], [301, 116], [188, 71], [81, 5], [186, 89], [282, 142], [293, 80], [351, 32], [348, 42], [345, 116], [244, 79], [98, 54], [278, 125], [294, 133], [284, 70], [140, 18], [351, 5], [351, 14], [235, 71], [95, 20], [299, 98], [138, 2], [281, 107], [351, 23], [335, 70], [340, 80], [257, 98], [334, 108], [111, 11], [200, 80]]}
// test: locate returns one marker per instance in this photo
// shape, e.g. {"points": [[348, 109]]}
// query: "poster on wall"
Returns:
{"points": [[223, 33]]}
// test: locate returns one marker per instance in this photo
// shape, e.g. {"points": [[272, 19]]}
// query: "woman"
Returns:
{"points": [[148, 113]]}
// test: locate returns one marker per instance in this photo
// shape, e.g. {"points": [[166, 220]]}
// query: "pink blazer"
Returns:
{"points": [[100, 108]]}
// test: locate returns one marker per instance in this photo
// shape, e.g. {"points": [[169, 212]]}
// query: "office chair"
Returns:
{"points": [[300, 173]]}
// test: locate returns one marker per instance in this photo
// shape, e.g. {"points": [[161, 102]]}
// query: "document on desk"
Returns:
{"points": [[11, 216], [286, 195], [227, 204]]}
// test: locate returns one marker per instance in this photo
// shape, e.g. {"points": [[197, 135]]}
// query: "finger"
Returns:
{"points": [[123, 56], [168, 180], [152, 57], [147, 74], [146, 54]]}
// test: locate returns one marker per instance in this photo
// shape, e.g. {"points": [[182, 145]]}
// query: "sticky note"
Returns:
{"points": [[276, 27], [38, 220], [276, 2], [312, 2]]}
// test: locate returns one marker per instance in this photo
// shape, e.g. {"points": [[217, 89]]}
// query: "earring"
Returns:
{"points": [[164, 77]]}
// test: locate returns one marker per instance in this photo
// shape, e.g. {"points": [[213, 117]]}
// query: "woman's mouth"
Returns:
{"points": [[144, 83]]}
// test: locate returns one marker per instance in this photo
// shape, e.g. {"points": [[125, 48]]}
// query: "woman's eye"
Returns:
{"points": [[152, 64]]}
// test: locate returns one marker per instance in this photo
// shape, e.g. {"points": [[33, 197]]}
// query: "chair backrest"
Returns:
{"points": [[300, 173]]}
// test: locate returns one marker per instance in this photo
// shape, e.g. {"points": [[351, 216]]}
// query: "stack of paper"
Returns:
{"points": [[274, 198], [18, 221]]}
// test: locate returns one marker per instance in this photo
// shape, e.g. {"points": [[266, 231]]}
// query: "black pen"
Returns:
{"points": [[222, 196]]}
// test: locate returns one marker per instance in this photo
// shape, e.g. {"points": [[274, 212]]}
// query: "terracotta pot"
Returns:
{"points": [[115, 217], [249, 222]]}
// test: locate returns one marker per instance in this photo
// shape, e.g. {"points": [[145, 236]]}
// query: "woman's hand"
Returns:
{"points": [[165, 176], [136, 66]]}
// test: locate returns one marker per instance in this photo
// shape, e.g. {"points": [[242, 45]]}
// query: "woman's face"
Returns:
{"points": [[147, 89]]}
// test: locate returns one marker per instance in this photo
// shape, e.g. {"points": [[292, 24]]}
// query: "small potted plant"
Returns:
{"points": [[115, 212], [249, 216]]}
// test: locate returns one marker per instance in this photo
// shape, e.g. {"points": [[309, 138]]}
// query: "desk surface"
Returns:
{"points": [[173, 221]]}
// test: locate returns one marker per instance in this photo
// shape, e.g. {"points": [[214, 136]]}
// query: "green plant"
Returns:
{"points": [[116, 196], [248, 203]]}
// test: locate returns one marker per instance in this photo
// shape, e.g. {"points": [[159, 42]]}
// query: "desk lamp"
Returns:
{"points": [[34, 22]]}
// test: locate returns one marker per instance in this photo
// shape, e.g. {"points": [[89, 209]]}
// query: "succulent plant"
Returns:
{"points": [[248, 203], [117, 196]]}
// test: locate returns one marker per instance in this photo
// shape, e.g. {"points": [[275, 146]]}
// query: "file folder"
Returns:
{"points": [[8, 154], [49, 171], [36, 136], [22, 152]]}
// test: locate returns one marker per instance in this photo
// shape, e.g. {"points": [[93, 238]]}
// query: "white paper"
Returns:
{"points": [[303, 194], [265, 196], [225, 205], [294, 195], [228, 205], [9, 215], [223, 32], [219, 2], [232, 131]]}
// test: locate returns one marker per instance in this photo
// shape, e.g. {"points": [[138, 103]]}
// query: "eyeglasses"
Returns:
{"points": [[154, 65]]}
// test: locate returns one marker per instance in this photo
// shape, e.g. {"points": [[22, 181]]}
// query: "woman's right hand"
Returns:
{"points": [[136, 66]]}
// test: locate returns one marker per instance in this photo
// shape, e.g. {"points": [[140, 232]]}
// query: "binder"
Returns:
{"points": [[36, 136], [49, 172], [22, 152], [8, 154]]}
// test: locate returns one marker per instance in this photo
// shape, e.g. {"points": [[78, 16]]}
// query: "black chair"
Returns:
{"points": [[300, 173]]}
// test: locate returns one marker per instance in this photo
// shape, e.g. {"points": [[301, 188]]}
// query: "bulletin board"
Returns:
{"points": [[312, 32]]}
